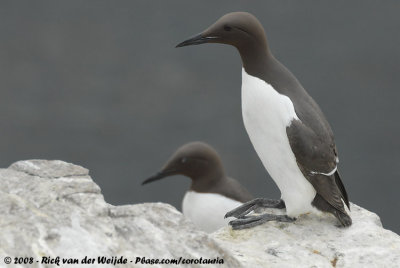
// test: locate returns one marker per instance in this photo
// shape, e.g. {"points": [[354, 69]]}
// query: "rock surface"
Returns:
{"points": [[315, 241], [53, 208]]}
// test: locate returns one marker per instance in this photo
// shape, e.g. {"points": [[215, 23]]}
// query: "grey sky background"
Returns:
{"points": [[100, 84]]}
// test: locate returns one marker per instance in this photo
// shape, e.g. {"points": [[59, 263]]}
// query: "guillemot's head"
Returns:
{"points": [[196, 160], [239, 29]]}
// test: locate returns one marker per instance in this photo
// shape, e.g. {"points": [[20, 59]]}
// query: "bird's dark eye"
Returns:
{"points": [[227, 28]]}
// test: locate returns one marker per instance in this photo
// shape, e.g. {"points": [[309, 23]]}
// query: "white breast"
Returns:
{"points": [[266, 114], [207, 210]]}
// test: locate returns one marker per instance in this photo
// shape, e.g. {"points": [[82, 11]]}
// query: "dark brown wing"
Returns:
{"points": [[316, 158], [231, 188], [339, 183]]}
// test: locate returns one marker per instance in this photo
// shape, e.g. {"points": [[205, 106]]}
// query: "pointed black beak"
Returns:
{"points": [[196, 40], [159, 176]]}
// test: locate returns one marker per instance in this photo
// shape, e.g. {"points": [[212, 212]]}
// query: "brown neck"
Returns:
{"points": [[202, 183], [255, 56]]}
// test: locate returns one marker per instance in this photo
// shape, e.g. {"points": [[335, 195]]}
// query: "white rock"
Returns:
{"points": [[53, 208], [314, 241]]}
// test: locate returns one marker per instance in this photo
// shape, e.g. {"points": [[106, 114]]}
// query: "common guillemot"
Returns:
{"points": [[286, 127], [211, 193]]}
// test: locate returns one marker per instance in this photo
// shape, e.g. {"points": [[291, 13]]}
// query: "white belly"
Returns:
{"points": [[207, 210], [266, 114]]}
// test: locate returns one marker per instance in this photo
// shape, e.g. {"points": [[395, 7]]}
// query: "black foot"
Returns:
{"points": [[251, 221], [250, 206]]}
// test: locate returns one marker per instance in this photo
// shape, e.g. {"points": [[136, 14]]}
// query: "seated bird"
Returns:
{"points": [[211, 193], [286, 127]]}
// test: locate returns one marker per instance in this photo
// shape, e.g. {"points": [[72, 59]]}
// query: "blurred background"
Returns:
{"points": [[100, 84]]}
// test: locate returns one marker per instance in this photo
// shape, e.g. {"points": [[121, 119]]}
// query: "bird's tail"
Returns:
{"points": [[320, 203], [344, 218]]}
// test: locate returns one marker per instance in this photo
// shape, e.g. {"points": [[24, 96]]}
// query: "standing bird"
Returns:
{"points": [[286, 127], [211, 193]]}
